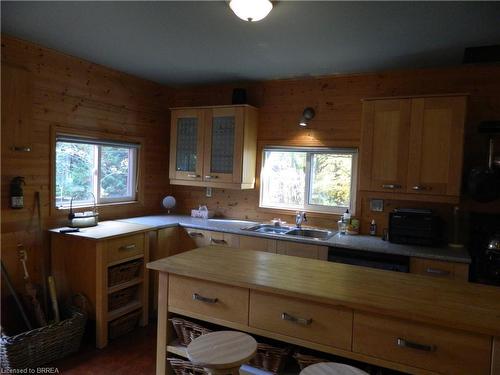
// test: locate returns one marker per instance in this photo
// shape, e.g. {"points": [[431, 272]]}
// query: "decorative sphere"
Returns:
{"points": [[168, 202]]}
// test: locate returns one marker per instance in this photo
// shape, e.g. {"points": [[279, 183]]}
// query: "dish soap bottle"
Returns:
{"points": [[373, 228]]}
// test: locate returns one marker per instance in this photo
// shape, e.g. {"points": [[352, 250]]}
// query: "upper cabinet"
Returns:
{"points": [[214, 146], [413, 146]]}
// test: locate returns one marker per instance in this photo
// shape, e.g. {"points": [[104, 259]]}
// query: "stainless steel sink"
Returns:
{"points": [[289, 231], [311, 233]]}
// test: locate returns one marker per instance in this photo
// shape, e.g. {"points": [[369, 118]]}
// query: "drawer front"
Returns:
{"points": [[441, 269], [209, 299], [203, 238], [301, 319], [125, 247], [432, 348]]}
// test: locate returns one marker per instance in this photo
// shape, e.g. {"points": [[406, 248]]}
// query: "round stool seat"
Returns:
{"points": [[331, 368], [222, 350]]}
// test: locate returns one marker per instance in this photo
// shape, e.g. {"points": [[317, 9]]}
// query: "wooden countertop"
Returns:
{"points": [[471, 307], [105, 230]]}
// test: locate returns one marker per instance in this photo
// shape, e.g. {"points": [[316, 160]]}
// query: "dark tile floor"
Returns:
{"points": [[133, 353]]}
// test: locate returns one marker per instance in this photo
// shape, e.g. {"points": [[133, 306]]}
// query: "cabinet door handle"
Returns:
{"points": [[195, 234], [218, 242], [197, 297], [391, 186], [420, 188], [208, 177], [291, 318], [191, 175], [402, 343], [437, 271], [127, 247]]}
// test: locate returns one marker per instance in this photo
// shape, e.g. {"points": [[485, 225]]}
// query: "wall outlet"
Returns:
{"points": [[208, 193]]}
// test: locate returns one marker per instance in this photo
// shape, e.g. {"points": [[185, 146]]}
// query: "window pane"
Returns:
{"points": [[115, 177], [74, 173], [283, 179], [330, 180]]}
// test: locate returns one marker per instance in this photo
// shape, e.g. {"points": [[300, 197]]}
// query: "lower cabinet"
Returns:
{"points": [[433, 348], [302, 250], [305, 320], [441, 269], [258, 243]]}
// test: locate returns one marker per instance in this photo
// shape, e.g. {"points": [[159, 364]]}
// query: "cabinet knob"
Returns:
{"points": [[218, 242], [402, 343], [419, 188], [391, 186], [293, 319], [200, 298]]}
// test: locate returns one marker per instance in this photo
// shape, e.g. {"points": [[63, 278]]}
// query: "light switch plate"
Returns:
{"points": [[377, 205], [208, 193]]}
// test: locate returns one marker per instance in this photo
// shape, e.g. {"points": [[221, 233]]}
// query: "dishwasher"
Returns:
{"points": [[383, 261]]}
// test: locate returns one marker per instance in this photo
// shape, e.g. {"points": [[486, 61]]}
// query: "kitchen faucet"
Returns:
{"points": [[300, 218]]}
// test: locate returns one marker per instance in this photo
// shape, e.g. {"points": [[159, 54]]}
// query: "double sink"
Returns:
{"points": [[317, 234]]}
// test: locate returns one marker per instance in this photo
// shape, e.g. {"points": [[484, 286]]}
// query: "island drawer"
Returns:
{"points": [[445, 351], [125, 247], [208, 299], [439, 268], [306, 320]]}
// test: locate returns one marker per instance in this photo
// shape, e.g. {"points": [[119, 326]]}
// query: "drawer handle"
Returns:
{"points": [[437, 271], [191, 175], [402, 343], [197, 297], [291, 318], [127, 247], [391, 186], [420, 188], [218, 242], [208, 177], [196, 234]]}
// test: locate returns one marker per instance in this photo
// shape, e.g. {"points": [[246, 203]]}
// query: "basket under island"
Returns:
{"points": [[411, 323]]}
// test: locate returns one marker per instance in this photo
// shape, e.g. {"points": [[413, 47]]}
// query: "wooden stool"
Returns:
{"points": [[331, 368], [222, 352]]}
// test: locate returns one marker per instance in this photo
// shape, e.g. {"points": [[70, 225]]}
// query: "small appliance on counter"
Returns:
{"points": [[202, 213], [414, 226], [484, 248], [83, 219]]}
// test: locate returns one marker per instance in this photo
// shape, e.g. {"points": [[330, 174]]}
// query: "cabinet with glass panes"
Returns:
{"points": [[214, 146]]}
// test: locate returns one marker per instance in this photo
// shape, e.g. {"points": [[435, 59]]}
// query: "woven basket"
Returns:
{"points": [[269, 358], [122, 297], [187, 331], [40, 346], [124, 324], [124, 272], [305, 360], [182, 367]]}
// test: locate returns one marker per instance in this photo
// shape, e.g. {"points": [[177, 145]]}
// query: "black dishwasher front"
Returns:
{"points": [[389, 262]]}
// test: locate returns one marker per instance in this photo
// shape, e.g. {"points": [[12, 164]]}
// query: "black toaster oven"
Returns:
{"points": [[415, 227]]}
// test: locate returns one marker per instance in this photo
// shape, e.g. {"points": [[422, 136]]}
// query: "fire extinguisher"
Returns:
{"points": [[16, 192]]}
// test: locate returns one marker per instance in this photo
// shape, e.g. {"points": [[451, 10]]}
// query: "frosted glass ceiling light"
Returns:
{"points": [[251, 10]]}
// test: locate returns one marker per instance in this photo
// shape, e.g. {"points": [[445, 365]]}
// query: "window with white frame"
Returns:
{"points": [[87, 168], [319, 179]]}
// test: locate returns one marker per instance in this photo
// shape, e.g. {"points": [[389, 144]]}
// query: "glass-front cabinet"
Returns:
{"points": [[214, 146]]}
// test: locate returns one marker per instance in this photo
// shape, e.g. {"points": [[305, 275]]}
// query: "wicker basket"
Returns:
{"points": [[269, 358], [124, 272], [182, 367], [305, 360], [122, 297], [124, 324], [187, 331], [40, 346]]}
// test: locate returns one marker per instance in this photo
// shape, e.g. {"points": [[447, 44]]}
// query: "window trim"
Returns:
{"points": [[354, 151], [59, 132]]}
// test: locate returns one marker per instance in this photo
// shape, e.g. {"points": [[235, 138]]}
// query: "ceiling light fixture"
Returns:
{"points": [[307, 116], [251, 10]]}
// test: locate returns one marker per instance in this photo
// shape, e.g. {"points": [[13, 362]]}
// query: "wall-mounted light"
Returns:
{"points": [[251, 10], [307, 116]]}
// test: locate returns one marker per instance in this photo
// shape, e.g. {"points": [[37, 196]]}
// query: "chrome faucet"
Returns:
{"points": [[300, 218]]}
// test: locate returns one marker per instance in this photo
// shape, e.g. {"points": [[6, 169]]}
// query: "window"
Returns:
{"points": [[88, 168], [320, 180]]}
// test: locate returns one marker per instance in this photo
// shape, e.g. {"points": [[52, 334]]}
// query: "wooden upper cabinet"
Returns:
{"points": [[186, 144], [386, 129], [437, 133], [413, 147], [214, 146]]}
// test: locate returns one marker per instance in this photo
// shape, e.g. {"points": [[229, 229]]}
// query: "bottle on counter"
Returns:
{"points": [[373, 228]]}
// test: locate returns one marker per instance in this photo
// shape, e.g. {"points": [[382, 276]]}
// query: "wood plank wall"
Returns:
{"points": [[42, 88], [337, 100]]}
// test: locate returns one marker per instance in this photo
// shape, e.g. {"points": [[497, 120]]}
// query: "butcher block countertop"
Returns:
{"points": [[466, 306]]}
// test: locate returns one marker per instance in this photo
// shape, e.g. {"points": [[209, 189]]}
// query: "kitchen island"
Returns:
{"points": [[406, 322]]}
